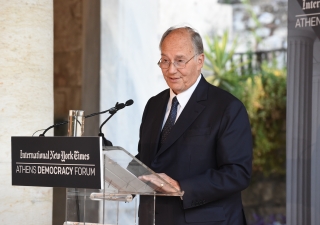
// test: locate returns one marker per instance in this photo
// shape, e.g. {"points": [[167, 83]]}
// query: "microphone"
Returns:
{"points": [[112, 111], [129, 102]]}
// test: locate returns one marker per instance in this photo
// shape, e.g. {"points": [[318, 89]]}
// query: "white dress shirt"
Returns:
{"points": [[183, 99]]}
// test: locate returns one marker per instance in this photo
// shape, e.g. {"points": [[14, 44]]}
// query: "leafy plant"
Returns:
{"points": [[263, 94], [265, 100], [220, 64]]}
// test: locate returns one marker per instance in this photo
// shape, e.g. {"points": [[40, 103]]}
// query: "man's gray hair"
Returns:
{"points": [[195, 38]]}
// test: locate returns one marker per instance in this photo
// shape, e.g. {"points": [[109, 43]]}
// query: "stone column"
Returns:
{"points": [[315, 153], [26, 100], [300, 121], [299, 108], [77, 76]]}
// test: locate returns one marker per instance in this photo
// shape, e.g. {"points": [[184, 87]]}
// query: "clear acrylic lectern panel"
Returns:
{"points": [[117, 203]]}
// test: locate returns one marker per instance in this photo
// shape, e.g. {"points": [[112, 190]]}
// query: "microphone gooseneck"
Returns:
{"points": [[55, 125], [112, 112]]}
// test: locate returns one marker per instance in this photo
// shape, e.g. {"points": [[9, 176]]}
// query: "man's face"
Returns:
{"points": [[178, 46]]}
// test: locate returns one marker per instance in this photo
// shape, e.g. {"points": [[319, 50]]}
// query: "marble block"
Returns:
{"points": [[26, 100]]}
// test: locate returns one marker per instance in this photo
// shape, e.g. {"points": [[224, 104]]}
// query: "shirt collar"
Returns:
{"points": [[184, 97]]}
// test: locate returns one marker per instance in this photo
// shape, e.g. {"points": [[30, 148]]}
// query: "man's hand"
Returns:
{"points": [[157, 184]]}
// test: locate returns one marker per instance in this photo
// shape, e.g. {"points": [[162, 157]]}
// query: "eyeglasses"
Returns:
{"points": [[180, 64]]}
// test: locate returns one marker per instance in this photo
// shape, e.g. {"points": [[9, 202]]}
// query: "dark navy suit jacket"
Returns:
{"points": [[209, 152]]}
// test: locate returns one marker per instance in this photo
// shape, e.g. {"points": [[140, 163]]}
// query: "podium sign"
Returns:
{"points": [[74, 162]]}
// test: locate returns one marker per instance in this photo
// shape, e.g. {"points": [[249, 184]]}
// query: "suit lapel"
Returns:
{"points": [[191, 111], [159, 113]]}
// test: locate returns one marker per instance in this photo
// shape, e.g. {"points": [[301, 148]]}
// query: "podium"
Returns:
{"points": [[117, 203], [80, 164]]}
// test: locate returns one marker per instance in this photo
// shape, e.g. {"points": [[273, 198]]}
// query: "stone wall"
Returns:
{"points": [[265, 197], [261, 25], [26, 100]]}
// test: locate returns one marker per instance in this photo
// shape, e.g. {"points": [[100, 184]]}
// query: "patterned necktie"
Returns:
{"points": [[170, 121]]}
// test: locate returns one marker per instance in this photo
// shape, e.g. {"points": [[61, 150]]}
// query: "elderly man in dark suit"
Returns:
{"points": [[197, 137]]}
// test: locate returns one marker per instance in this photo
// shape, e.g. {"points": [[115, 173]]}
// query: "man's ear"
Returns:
{"points": [[200, 60]]}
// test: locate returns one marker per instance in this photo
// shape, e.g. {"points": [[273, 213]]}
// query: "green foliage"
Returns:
{"points": [[265, 100], [219, 62], [263, 94]]}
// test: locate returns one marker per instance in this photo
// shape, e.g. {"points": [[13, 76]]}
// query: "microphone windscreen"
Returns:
{"points": [[120, 106], [129, 102]]}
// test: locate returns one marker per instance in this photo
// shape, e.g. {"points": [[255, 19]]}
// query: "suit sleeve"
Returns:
{"points": [[133, 166], [234, 160], [143, 118]]}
